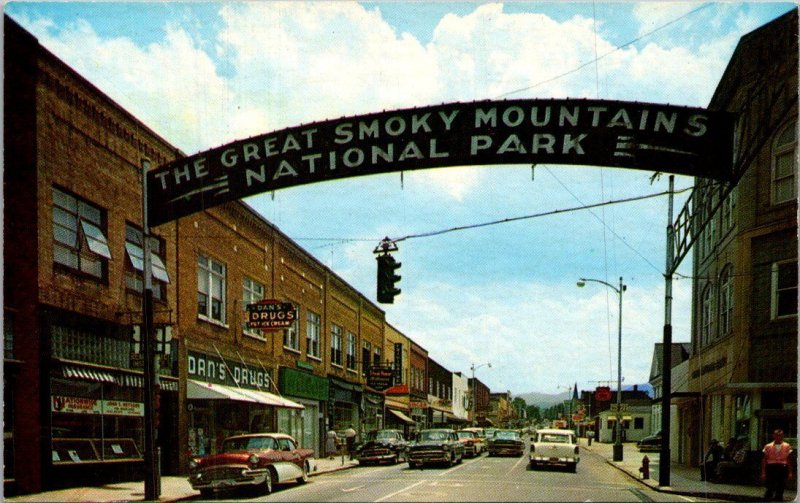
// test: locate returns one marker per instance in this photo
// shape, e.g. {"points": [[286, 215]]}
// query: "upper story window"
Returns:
{"points": [[79, 235], [728, 217], [784, 165], [336, 344], [312, 334], [210, 289], [784, 289], [134, 267], [710, 232], [291, 335], [351, 350], [726, 300], [365, 357], [377, 360], [252, 292], [706, 315]]}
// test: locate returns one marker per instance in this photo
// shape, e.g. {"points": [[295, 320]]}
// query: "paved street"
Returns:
{"points": [[481, 479]]}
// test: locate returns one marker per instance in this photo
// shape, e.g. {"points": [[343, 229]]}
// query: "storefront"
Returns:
{"points": [[373, 411], [344, 404], [419, 413], [227, 398], [397, 411], [312, 392]]}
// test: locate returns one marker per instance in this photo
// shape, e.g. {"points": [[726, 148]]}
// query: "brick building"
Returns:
{"points": [[744, 312]]}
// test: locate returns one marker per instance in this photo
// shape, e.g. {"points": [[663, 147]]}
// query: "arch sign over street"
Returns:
{"points": [[652, 137]]}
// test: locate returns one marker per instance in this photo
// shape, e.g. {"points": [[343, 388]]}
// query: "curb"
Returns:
{"points": [[331, 470], [666, 490]]}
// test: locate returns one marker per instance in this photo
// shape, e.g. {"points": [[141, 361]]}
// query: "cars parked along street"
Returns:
{"points": [[506, 442], [554, 447], [650, 443], [382, 446], [258, 460], [472, 444]]}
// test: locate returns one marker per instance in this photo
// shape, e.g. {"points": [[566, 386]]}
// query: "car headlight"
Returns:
{"points": [[253, 460], [445, 447], [193, 464]]}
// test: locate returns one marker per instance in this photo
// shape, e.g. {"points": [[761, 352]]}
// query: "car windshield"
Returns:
{"points": [[553, 438], [466, 434], [490, 433], [381, 435], [507, 435], [433, 435], [244, 444]]}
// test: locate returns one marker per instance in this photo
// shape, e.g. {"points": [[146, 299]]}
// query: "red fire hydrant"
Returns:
{"points": [[645, 468]]}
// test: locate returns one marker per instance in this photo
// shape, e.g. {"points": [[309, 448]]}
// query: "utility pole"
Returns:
{"points": [[666, 360]]}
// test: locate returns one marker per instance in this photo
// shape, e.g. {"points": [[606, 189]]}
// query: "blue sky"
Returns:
{"points": [[203, 74]]}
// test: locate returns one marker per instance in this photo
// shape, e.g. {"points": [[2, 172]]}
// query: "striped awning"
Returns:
{"points": [[87, 374]]}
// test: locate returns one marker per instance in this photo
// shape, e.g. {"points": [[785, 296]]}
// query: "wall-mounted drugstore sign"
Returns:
{"points": [[213, 369]]}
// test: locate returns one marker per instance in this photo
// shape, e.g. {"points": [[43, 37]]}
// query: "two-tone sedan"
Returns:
{"points": [[554, 447], [258, 460], [472, 444], [383, 446], [435, 446], [506, 442]]}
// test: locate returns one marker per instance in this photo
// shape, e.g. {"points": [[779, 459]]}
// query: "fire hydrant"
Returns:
{"points": [[645, 468]]}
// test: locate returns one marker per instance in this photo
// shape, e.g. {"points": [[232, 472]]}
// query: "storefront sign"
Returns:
{"points": [[418, 405], [380, 377], [78, 405], [648, 136], [398, 362], [213, 369], [602, 393], [271, 315]]}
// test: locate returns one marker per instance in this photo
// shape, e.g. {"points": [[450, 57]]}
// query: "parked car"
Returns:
{"points": [[259, 460], [472, 444], [435, 446], [382, 446], [554, 447], [506, 442], [651, 443], [480, 438]]}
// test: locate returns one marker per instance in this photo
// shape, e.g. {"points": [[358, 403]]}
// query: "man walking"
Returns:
{"points": [[350, 438], [775, 467]]}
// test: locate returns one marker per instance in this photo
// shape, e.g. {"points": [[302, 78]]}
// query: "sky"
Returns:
{"points": [[203, 74]]}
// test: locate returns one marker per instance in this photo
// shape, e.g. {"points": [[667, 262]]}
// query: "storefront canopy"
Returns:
{"points": [[197, 390], [399, 415]]}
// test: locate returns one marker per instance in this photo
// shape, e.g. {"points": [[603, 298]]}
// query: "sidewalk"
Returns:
{"points": [[173, 488], [683, 480]]}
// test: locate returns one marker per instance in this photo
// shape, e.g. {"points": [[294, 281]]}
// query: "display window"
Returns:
{"points": [[95, 422]]}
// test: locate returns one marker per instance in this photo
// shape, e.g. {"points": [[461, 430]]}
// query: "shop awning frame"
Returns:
{"points": [[198, 390], [401, 416]]}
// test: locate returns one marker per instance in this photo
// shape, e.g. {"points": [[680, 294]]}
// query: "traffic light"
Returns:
{"points": [[387, 278]]}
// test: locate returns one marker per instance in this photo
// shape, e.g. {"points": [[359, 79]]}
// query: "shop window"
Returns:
{"points": [[210, 289], [365, 357], [351, 351], [291, 339], [336, 344], [252, 292], [87, 345], [79, 235], [784, 289], [726, 301], [784, 165], [134, 266], [312, 334]]}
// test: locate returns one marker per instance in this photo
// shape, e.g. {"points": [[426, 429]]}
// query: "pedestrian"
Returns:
{"points": [[350, 438], [708, 468], [734, 460], [776, 467], [590, 436], [331, 443]]}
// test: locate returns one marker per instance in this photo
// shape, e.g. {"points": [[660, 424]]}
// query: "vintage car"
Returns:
{"points": [[435, 446], [506, 442], [382, 446], [651, 443], [554, 447], [472, 444], [480, 439], [259, 460]]}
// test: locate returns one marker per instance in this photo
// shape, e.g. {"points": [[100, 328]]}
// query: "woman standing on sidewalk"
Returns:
{"points": [[775, 466]]}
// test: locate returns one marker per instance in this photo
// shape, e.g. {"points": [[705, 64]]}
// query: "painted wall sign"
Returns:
{"points": [[271, 314], [78, 405], [212, 369], [652, 137]]}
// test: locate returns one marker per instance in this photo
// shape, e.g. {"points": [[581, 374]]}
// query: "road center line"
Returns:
{"points": [[356, 488], [462, 465], [400, 491], [523, 458]]}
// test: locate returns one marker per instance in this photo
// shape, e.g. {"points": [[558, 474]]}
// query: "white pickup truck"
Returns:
{"points": [[554, 447]]}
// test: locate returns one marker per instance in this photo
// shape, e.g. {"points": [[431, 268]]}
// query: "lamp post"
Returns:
{"points": [[473, 368], [618, 427]]}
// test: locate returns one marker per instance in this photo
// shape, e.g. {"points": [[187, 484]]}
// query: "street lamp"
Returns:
{"points": [[473, 368], [618, 428]]}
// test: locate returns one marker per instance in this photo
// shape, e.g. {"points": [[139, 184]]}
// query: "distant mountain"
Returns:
{"points": [[544, 400]]}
